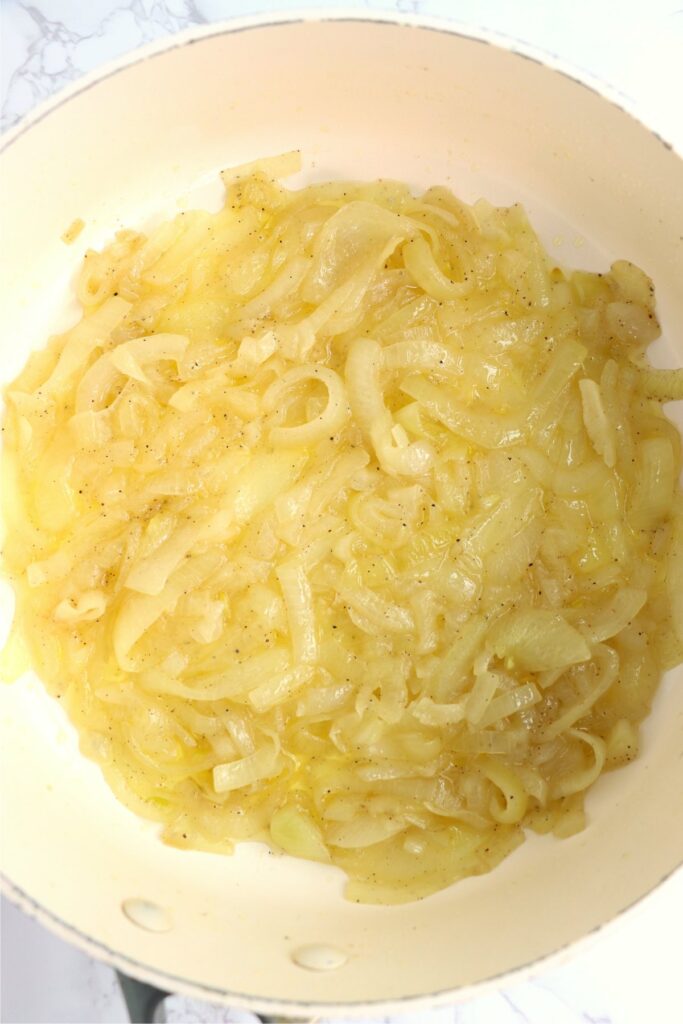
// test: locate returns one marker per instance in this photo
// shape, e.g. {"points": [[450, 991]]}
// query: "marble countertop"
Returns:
{"points": [[628, 974]]}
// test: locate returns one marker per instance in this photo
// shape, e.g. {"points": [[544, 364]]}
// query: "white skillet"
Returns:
{"points": [[361, 97]]}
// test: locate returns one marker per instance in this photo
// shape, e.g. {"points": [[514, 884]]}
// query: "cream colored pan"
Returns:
{"points": [[360, 98]]}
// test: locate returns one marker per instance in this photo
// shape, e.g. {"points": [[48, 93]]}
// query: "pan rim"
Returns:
{"points": [[177, 985]]}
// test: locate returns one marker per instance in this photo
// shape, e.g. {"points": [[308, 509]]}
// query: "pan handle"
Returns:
{"points": [[281, 1020], [145, 1003]]}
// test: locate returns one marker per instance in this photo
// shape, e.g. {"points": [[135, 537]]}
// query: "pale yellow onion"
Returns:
{"points": [[407, 622], [329, 421]]}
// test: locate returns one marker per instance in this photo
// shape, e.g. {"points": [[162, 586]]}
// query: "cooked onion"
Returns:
{"points": [[346, 520]]}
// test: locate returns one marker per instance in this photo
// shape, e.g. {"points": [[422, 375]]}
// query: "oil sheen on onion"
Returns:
{"points": [[347, 520]]}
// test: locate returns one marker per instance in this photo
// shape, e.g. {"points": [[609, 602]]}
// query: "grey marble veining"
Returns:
{"points": [[629, 976]]}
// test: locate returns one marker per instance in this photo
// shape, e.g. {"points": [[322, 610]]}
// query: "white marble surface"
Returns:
{"points": [[628, 975]]}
